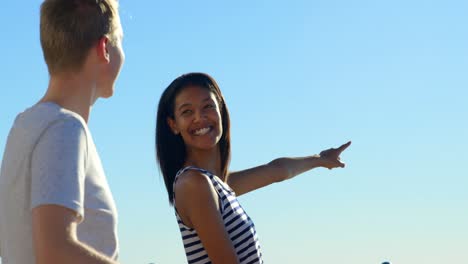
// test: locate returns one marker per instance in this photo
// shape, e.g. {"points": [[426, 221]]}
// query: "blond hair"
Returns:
{"points": [[69, 28]]}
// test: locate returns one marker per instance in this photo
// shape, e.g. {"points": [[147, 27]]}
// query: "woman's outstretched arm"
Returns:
{"points": [[282, 169]]}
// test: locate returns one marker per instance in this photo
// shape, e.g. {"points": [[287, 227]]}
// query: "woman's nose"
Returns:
{"points": [[199, 115]]}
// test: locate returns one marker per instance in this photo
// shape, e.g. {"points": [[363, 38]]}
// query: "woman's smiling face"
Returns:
{"points": [[197, 118]]}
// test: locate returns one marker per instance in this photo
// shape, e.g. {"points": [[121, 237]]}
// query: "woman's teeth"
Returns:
{"points": [[201, 131]]}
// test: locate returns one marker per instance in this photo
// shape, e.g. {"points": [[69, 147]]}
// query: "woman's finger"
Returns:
{"points": [[344, 146]]}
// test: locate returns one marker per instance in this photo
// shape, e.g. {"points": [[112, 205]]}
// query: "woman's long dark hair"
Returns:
{"points": [[170, 148]]}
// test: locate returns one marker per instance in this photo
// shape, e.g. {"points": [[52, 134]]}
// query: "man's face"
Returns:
{"points": [[112, 69]]}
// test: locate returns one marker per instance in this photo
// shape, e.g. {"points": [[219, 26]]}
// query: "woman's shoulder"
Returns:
{"points": [[193, 168], [194, 189], [192, 179]]}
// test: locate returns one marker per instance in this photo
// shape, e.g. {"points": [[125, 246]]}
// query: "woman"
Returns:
{"points": [[193, 150]]}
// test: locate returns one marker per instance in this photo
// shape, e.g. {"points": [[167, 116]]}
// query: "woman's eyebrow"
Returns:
{"points": [[184, 105], [189, 104]]}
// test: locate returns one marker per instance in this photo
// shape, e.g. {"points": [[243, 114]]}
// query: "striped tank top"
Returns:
{"points": [[238, 224]]}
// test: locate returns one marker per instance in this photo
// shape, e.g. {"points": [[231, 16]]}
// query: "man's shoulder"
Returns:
{"points": [[44, 115], [40, 119]]}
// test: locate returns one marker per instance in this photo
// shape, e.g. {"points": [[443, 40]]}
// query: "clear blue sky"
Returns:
{"points": [[299, 77]]}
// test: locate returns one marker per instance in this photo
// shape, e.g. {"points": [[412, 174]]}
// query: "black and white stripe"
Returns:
{"points": [[238, 224]]}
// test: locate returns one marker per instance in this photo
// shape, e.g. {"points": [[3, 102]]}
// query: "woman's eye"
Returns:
{"points": [[209, 106], [186, 112]]}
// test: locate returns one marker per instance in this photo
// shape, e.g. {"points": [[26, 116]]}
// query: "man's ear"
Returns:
{"points": [[103, 49], [172, 125]]}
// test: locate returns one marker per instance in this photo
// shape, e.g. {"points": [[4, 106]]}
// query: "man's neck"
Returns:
{"points": [[73, 92]]}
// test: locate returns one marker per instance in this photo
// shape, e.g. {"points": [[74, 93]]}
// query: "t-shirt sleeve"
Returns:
{"points": [[58, 166]]}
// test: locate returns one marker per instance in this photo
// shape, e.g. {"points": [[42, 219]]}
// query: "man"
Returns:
{"points": [[55, 203]]}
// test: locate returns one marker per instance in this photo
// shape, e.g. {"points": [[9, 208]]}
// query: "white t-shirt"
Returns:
{"points": [[50, 158]]}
